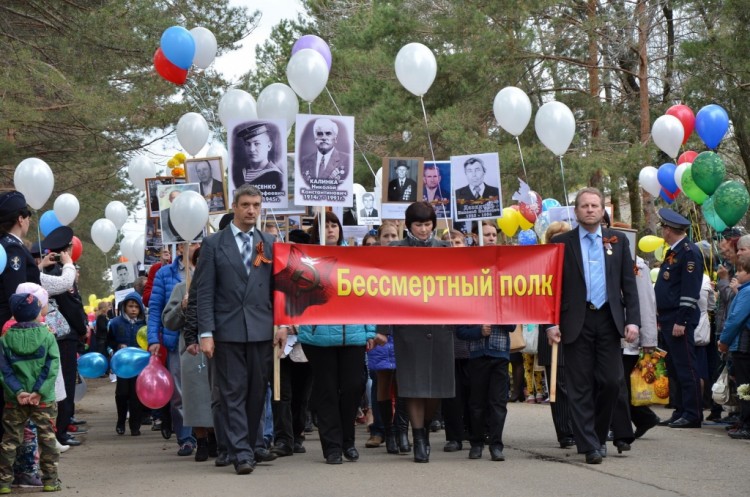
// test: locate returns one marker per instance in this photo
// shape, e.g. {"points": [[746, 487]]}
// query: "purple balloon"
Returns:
{"points": [[315, 43]]}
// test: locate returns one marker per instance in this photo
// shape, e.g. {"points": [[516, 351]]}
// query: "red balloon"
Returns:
{"points": [[167, 70], [77, 248], [688, 157], [154, 385], [686, 117], [527, 212]]}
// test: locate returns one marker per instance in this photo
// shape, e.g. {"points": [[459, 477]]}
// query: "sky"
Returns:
{"points": [[233, 65]]}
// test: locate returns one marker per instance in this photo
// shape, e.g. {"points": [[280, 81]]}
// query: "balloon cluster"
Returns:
{"points": [[180, 49], [699, 176], [308, 67], [177, 165]]}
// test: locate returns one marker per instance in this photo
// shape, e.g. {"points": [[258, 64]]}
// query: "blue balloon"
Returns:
{"points": [[527, 237], [48, 223], [3, 259], [178, 46], [130, 361], [665, 175], [92, 365], [665, 196], [549, 203], [711, 124], [711, 217]]}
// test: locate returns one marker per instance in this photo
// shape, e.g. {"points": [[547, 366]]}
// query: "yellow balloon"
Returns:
{"points": [[509, 222], [654, 274], [523, 223], [88, 309], [649, 243], [660, 252], [142, 337], [92, 299]]}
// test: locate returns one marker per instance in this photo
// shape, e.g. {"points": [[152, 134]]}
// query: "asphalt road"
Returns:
{"points": [[664, 463]]}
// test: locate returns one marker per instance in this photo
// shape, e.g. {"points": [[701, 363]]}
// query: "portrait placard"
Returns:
{"points": [[152, 199], [208, 172], [477, 192], [402, 179], [167, 194]]}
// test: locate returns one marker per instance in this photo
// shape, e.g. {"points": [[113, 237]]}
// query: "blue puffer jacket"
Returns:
{"points": [[336, 335], [166, 279], [121, 330], [382, 358]]}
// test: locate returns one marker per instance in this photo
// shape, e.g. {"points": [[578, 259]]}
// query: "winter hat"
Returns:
{"points": [[25, 307], [36, 290]]}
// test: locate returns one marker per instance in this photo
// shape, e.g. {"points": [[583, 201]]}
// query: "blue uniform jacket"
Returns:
{"points": [[678, 286]]}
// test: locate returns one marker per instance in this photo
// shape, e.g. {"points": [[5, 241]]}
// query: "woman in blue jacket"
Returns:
{"points": [[336, 354]]}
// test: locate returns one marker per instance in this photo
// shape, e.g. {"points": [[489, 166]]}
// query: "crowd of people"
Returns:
{"points": [[210, 313]]}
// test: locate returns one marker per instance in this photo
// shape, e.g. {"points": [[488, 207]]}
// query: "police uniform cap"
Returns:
{"points": [[673, 219], [58, 239], [11, 202], [36, 249], [402, 163], [252, 131]]}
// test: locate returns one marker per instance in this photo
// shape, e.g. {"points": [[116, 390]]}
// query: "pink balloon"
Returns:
{"points": [[154, 385]]}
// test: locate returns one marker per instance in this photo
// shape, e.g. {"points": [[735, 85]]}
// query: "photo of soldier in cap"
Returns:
{"points": [[257, 157], [403, 174]]}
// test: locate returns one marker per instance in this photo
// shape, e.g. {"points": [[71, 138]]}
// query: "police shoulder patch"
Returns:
{"points": [[690, 266], [15, 263]]}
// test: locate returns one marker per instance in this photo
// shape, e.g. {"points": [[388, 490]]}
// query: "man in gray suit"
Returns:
{"points": [[234, 279]]}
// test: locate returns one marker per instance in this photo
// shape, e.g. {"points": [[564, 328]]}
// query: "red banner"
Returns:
{"points": [[407, 285]]}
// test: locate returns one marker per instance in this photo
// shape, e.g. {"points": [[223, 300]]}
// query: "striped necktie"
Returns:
{"points": [[597, 295], [247, 249]]}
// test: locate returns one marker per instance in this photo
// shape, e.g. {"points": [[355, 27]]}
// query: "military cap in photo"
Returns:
{"points": [[252, 131], [402, 163]]}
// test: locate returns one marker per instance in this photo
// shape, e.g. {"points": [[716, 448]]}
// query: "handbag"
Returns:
{"points": [[297, 354], [531, 336], [517, 341], [720, 392], [649, 383], [55, 320]]}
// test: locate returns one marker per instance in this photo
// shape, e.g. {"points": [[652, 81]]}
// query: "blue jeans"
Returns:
{"points": [[184, 433]]}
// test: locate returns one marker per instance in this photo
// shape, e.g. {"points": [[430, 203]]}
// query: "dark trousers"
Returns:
{"points": [[640, 416], [377, 427], [488, 399], [65, 408], [336, 393], [456, 409], [126, 399], [741, 364], [593, 377], [560, 408], [218, 411], [289, 410], [686, 400], [241, 374]]}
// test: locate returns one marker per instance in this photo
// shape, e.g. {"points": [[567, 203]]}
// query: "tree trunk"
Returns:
{"points": [[649, 210]]}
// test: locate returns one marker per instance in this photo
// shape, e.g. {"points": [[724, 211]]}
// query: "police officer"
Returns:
{"points": [[677, 291]]}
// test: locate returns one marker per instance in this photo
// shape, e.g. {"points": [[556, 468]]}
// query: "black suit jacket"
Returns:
{"points": [[216, 187], [398, 194], [622, 293], [363, 213], [465, 193]]}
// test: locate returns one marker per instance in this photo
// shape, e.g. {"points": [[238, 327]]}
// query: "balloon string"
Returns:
{"points": [[38, 231], [427, 129], [565, 188], [355, 141], [309, 107], [523, 164]]}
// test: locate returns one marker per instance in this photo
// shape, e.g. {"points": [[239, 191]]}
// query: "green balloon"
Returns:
{"points": [[731, 201], [708, 171], [712, 218], [690, 189]]}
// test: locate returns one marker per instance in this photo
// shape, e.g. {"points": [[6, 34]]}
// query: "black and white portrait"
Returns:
{"points": [[436, 187], [152, 197], [257, 151], [403, 179], [476, 186], [167, 194], [368, 208], [123, 276], [209, 174], [324, 162]]}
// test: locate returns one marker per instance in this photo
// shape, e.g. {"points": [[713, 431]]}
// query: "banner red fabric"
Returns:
{"points": [[406, 285]]}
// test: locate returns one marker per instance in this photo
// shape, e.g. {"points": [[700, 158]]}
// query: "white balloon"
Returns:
{"points": [[66, 208], [192, 132], [307, 72], [668, 133], [278, 101], [416, 68], [512, 109], [555, 126], [126, 247], [358, 190], [205, 47], [117, 213], [189, 214], [217, 149], [104, 234], [379, 177], [34, 178], [139, 169], [677, 173], [235, 105], [649, 180], [139, 248]]}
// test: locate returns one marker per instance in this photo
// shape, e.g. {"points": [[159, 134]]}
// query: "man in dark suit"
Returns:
{"points": [[477, 189], [327, 162], [211, 189], [402, 188], [599, 306], [234, 278], [368, 199]]}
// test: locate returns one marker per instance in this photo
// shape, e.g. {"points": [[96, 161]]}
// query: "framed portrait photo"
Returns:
{"points": [[123, 276], [152, 197], [208, 172], [167, 194], [477, 193], [402, 179]]}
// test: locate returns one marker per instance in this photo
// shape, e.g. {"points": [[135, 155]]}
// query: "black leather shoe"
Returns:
{"points": [[222, 460], [76, 421], [452, 446], [603, 450], [641, 430], [282, 450], [666, 422], [622, 446], [421, 454], [684, 423], [135, 433], [593, 457], [475, 452], [120, 429], [351, 454], [496, 454], [244, 467], [334, 458], [73, 442], [264, 455], [299, 448], [567, 442], [404, 446], [391, 441]]}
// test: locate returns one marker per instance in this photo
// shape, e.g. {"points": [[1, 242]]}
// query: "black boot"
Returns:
{"points": [[213, 449], [419, 435], [401, 423], [201, 451], [386, 416]]}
